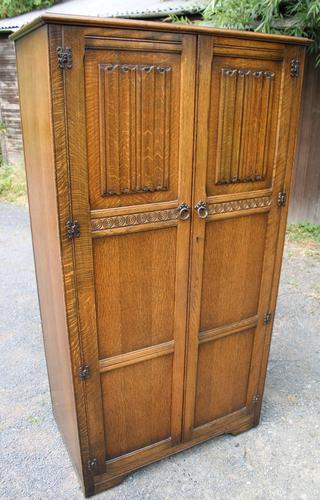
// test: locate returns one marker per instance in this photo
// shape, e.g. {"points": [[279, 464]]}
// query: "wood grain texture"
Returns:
{"points": [[135, 298], [11, 141], [65, 212], [74, 91], [37, 122], [228, 329], [222, 378], [225, 266], [104, 224], [135, 94], [142, 26], [305, 197], [137, 356], [244, 96], [140, 258], [292, 88], [231, 279], [168, 314], [137, 409], [234, 423], [244, 117], [237, 207], [143, 127]]}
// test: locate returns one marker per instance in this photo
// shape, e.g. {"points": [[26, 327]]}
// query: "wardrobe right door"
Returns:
{"points": [[247, 112]]}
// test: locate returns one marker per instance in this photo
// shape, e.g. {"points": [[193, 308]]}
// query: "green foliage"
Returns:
{"points": [[303, 232], [3, 128], [10, 8], [12, 184], [289, 17], [174, 18], [34, 420]]}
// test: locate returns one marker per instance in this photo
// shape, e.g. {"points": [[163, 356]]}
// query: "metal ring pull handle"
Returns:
{"points": [[202, 209], [184, 211]]}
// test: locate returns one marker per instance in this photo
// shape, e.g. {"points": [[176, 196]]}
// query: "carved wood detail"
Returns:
{"points": [[244, 125], [234, 206], [133, 219], [294, 68], [135, 102]]}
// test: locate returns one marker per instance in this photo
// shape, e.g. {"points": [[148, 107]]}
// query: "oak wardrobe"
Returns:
{"points": [[158, 160]]}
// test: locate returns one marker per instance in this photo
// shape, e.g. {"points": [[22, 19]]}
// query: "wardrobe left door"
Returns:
{"points": [[130, 112]]}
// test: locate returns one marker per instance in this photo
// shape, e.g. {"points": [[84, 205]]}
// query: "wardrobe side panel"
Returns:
{"points": [[36, 118]]}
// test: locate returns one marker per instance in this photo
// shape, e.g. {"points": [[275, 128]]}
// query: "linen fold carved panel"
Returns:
{"points": [[244, 125], [135, 102]]}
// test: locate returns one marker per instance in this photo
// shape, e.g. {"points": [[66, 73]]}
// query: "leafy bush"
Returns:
{"points": [[10, 8], [289, 17], [303, 231], [12, 183]]}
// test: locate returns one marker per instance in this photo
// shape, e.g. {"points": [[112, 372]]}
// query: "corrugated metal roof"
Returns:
{"points": [[112, 8]]}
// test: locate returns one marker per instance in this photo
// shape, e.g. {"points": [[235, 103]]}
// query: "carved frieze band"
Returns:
{"points": [[146, 68], [243, 73], [237, 205], [117, 221], [120, 221]]}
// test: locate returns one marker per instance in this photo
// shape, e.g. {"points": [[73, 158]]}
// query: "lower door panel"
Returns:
{"points": [[137, 405], [222, 375], [232, 269]]}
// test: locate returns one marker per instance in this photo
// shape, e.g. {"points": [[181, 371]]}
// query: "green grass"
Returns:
{"points": [[303, 232], [13, 184], [34, 420]]}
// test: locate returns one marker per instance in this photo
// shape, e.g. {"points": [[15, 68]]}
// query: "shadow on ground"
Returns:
{"points": [[278, 460]]}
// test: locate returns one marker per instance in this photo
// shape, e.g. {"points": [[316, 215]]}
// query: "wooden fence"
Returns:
{"points": [[305, 194], [10, 129]]}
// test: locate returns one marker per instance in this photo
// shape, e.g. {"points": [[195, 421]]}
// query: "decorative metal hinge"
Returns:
{"points": [[92, 464], [282, 199], [267, 318], [73, 229], [256, 398], [294, 68], [64, 57], [84, 372]]}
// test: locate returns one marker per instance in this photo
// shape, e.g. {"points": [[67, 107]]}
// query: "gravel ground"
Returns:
{"points": [[277, 460]]}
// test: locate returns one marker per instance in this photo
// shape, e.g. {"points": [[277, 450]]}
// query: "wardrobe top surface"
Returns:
{"points": [[100, 22]]}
